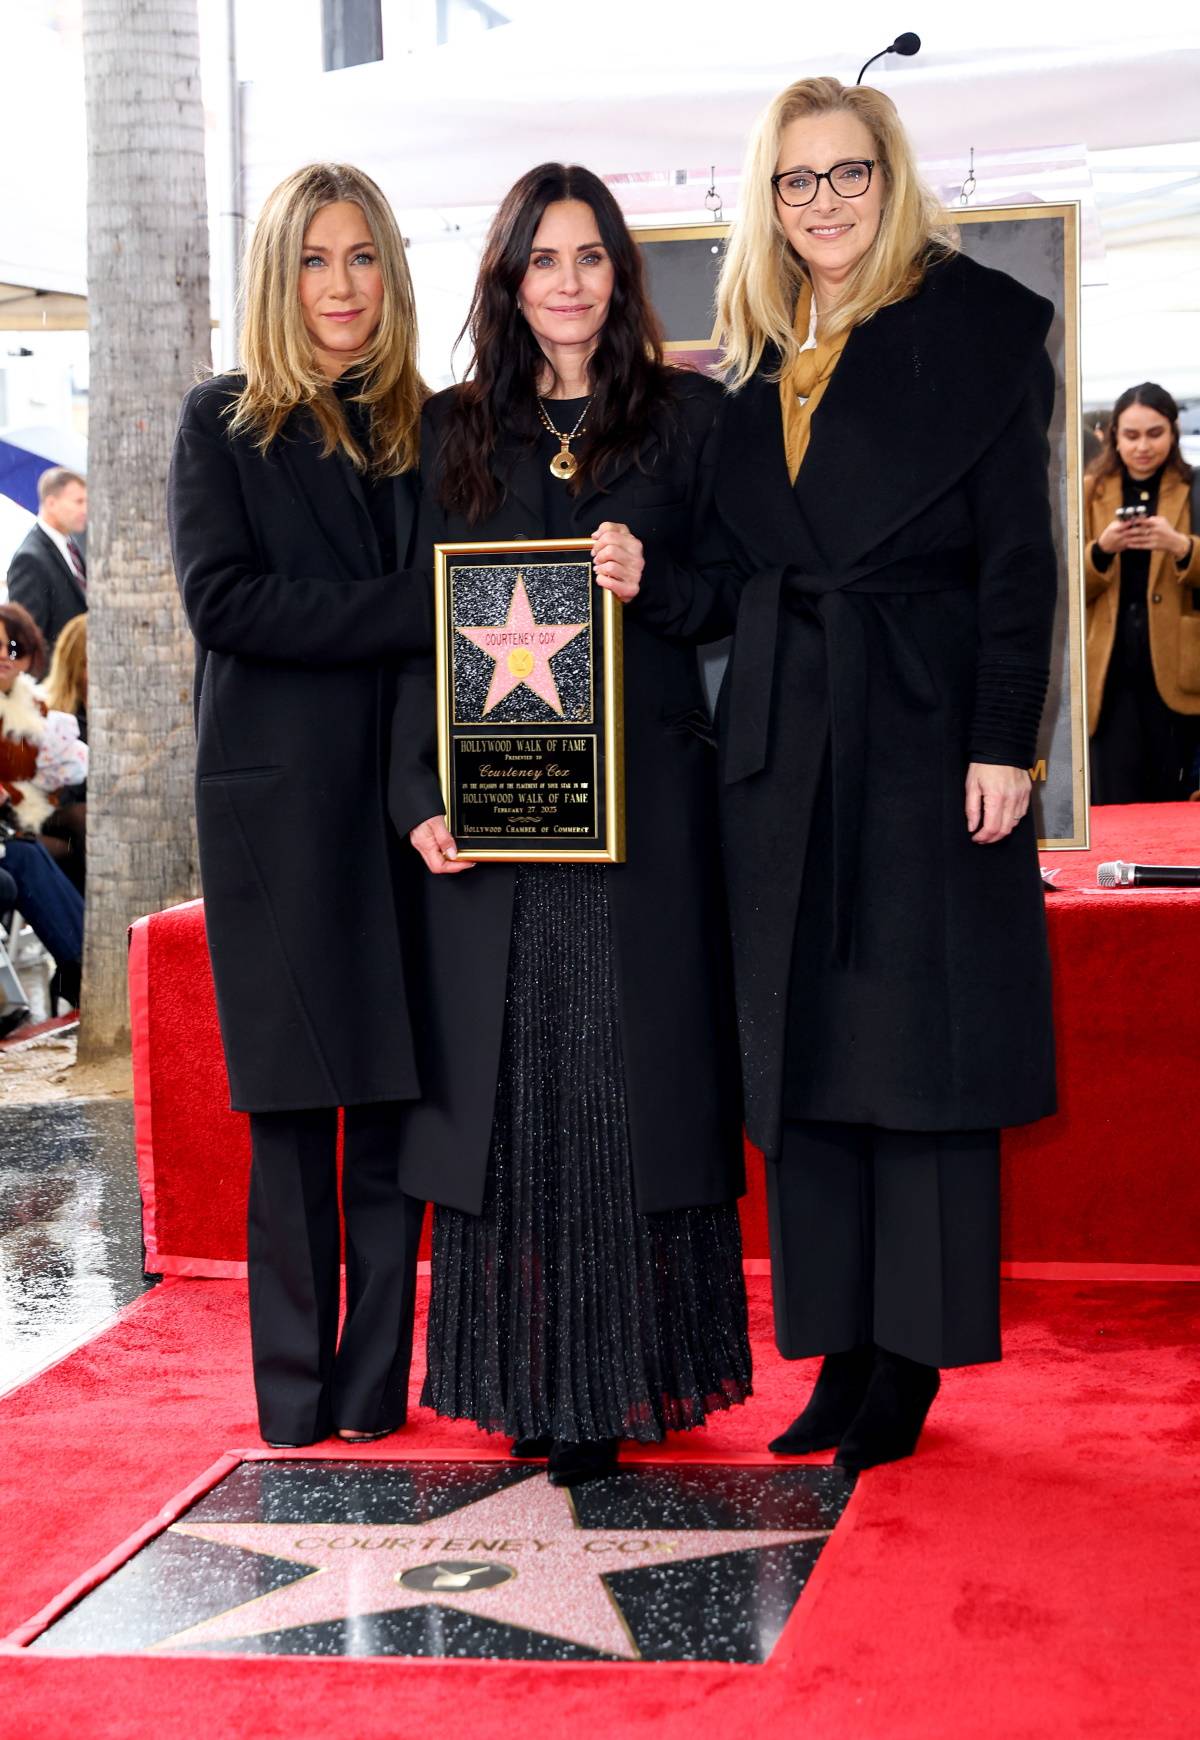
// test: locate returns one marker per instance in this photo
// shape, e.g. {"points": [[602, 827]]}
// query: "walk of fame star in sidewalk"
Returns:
{"points": [[654, 1563]]}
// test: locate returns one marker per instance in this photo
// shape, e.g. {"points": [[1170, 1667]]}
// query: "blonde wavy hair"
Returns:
{"points": [[762, 274], [277, 353], [65, 688]]}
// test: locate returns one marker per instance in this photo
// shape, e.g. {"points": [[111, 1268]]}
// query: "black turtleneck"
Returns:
{"points": [[1135, 564]]}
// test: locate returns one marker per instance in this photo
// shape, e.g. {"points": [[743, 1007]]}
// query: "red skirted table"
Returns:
{"points": [[1113, 1179], [1109, 1186]]}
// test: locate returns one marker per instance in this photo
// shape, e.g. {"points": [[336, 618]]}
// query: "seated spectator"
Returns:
{"points": [[66, 687], [48, 902], [40, 757], [14, 1011], [65, 691], [48, 575]]}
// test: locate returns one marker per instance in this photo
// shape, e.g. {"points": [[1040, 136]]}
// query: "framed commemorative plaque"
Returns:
{"points": [[529, 702]]}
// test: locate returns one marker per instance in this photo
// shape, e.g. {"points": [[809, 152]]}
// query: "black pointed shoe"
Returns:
{"points": [[572, 1464], [887, 1426], [836, 1397], [531, 1449]]}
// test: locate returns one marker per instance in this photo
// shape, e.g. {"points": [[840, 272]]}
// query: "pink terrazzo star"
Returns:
{"points": [[522, 649], [531, 1565]]}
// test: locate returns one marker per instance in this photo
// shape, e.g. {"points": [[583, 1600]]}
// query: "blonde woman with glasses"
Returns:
{"points": [[884, 482], [292, 503]]}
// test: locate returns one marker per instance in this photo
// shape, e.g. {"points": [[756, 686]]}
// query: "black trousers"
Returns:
{"points": [[307, 1382], [886, 1236], [1141, 751]]}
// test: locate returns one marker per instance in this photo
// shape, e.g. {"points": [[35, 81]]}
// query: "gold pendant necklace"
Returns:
{"points": [[564, 465]]}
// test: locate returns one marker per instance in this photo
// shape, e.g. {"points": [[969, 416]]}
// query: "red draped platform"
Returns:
{"points": [[1110, 1187]]}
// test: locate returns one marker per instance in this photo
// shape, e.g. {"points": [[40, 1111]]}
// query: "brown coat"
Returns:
{"points": [[1173, 595]]}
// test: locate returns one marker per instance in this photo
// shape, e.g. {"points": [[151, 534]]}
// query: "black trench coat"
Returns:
{"points": [[670, 930], [894, 624], [299, 637]]}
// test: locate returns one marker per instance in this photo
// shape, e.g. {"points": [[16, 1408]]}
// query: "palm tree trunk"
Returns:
{"points": [[148, 305]]}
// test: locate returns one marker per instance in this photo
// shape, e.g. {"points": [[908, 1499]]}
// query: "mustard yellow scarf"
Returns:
{"points": [[806, 379]]}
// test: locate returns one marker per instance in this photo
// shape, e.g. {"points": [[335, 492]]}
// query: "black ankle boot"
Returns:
{"points": [[836, 1398], [887, 1426], [531, 1449], [572, 1464]]}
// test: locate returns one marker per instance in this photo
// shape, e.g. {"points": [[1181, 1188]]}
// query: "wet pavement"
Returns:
{"points": [[70, 1228], [695, 1562]]}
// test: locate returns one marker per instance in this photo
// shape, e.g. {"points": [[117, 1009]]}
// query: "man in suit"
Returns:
{"points": [[48, 574]]}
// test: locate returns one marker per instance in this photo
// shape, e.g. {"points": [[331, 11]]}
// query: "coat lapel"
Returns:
{"points": [[595, 492], [756, 491], [1173, 492], [61, 564], [920, 392], [406, 495], [332, 498], [515, 465]]}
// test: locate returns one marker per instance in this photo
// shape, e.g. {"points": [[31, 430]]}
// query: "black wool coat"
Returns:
{"points": [[40, 578], [894, 625], [669, 924], [301, 640]]}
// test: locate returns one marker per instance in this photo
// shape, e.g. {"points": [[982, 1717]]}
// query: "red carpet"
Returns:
{"points": [[1127, 1008], [1033, 1572]]}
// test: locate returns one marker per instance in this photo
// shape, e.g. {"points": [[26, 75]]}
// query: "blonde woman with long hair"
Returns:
{"points": [[65, 690], [66, 687], [884, 482], [292, 503]]}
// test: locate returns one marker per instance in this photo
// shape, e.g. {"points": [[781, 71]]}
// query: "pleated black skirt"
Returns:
{"points": [[561, 1309]]}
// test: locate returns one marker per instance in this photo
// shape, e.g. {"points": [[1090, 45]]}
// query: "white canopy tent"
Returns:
{"points": [[1094, 104], [1055, 105]]}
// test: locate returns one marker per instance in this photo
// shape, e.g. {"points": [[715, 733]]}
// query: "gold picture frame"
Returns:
{"points": [[1039, 246], [549, 782]]}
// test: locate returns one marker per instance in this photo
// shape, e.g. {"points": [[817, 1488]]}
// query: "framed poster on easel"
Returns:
{"points": [[1039, 246]]}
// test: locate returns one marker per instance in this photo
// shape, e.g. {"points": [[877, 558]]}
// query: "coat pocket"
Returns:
{"points": [[237, 774]]}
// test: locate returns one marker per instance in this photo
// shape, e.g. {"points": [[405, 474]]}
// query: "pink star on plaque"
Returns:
{"points": [[518, 1557], [522, 649]]}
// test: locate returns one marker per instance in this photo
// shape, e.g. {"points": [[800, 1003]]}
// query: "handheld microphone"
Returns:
{"points": [[1121, 875], [908, 42]]}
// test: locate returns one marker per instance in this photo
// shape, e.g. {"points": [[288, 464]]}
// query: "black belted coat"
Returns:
{"points": [[894, 624], [667, 904], [300, 638]]}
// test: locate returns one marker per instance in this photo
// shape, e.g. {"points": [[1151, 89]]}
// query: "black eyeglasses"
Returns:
{"points": [[17, 649], [849, 180]]}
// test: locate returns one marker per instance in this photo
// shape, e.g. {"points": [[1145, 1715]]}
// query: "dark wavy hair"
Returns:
{"points": [[1155, 398], [17, 624], [499, 396]]}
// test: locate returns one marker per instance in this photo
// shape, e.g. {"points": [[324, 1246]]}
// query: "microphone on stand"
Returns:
{"points": [[1121, 875], [908, 42]]}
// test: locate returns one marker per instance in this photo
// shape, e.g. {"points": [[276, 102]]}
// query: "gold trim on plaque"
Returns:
{"points": [[612, 851], [686, 233]]}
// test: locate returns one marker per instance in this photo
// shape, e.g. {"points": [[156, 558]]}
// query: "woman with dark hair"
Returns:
{"points": [[580, 1122], [1142, 568]]}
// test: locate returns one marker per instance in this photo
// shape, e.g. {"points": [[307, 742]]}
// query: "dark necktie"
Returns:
{"points": [[77, 563]]}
